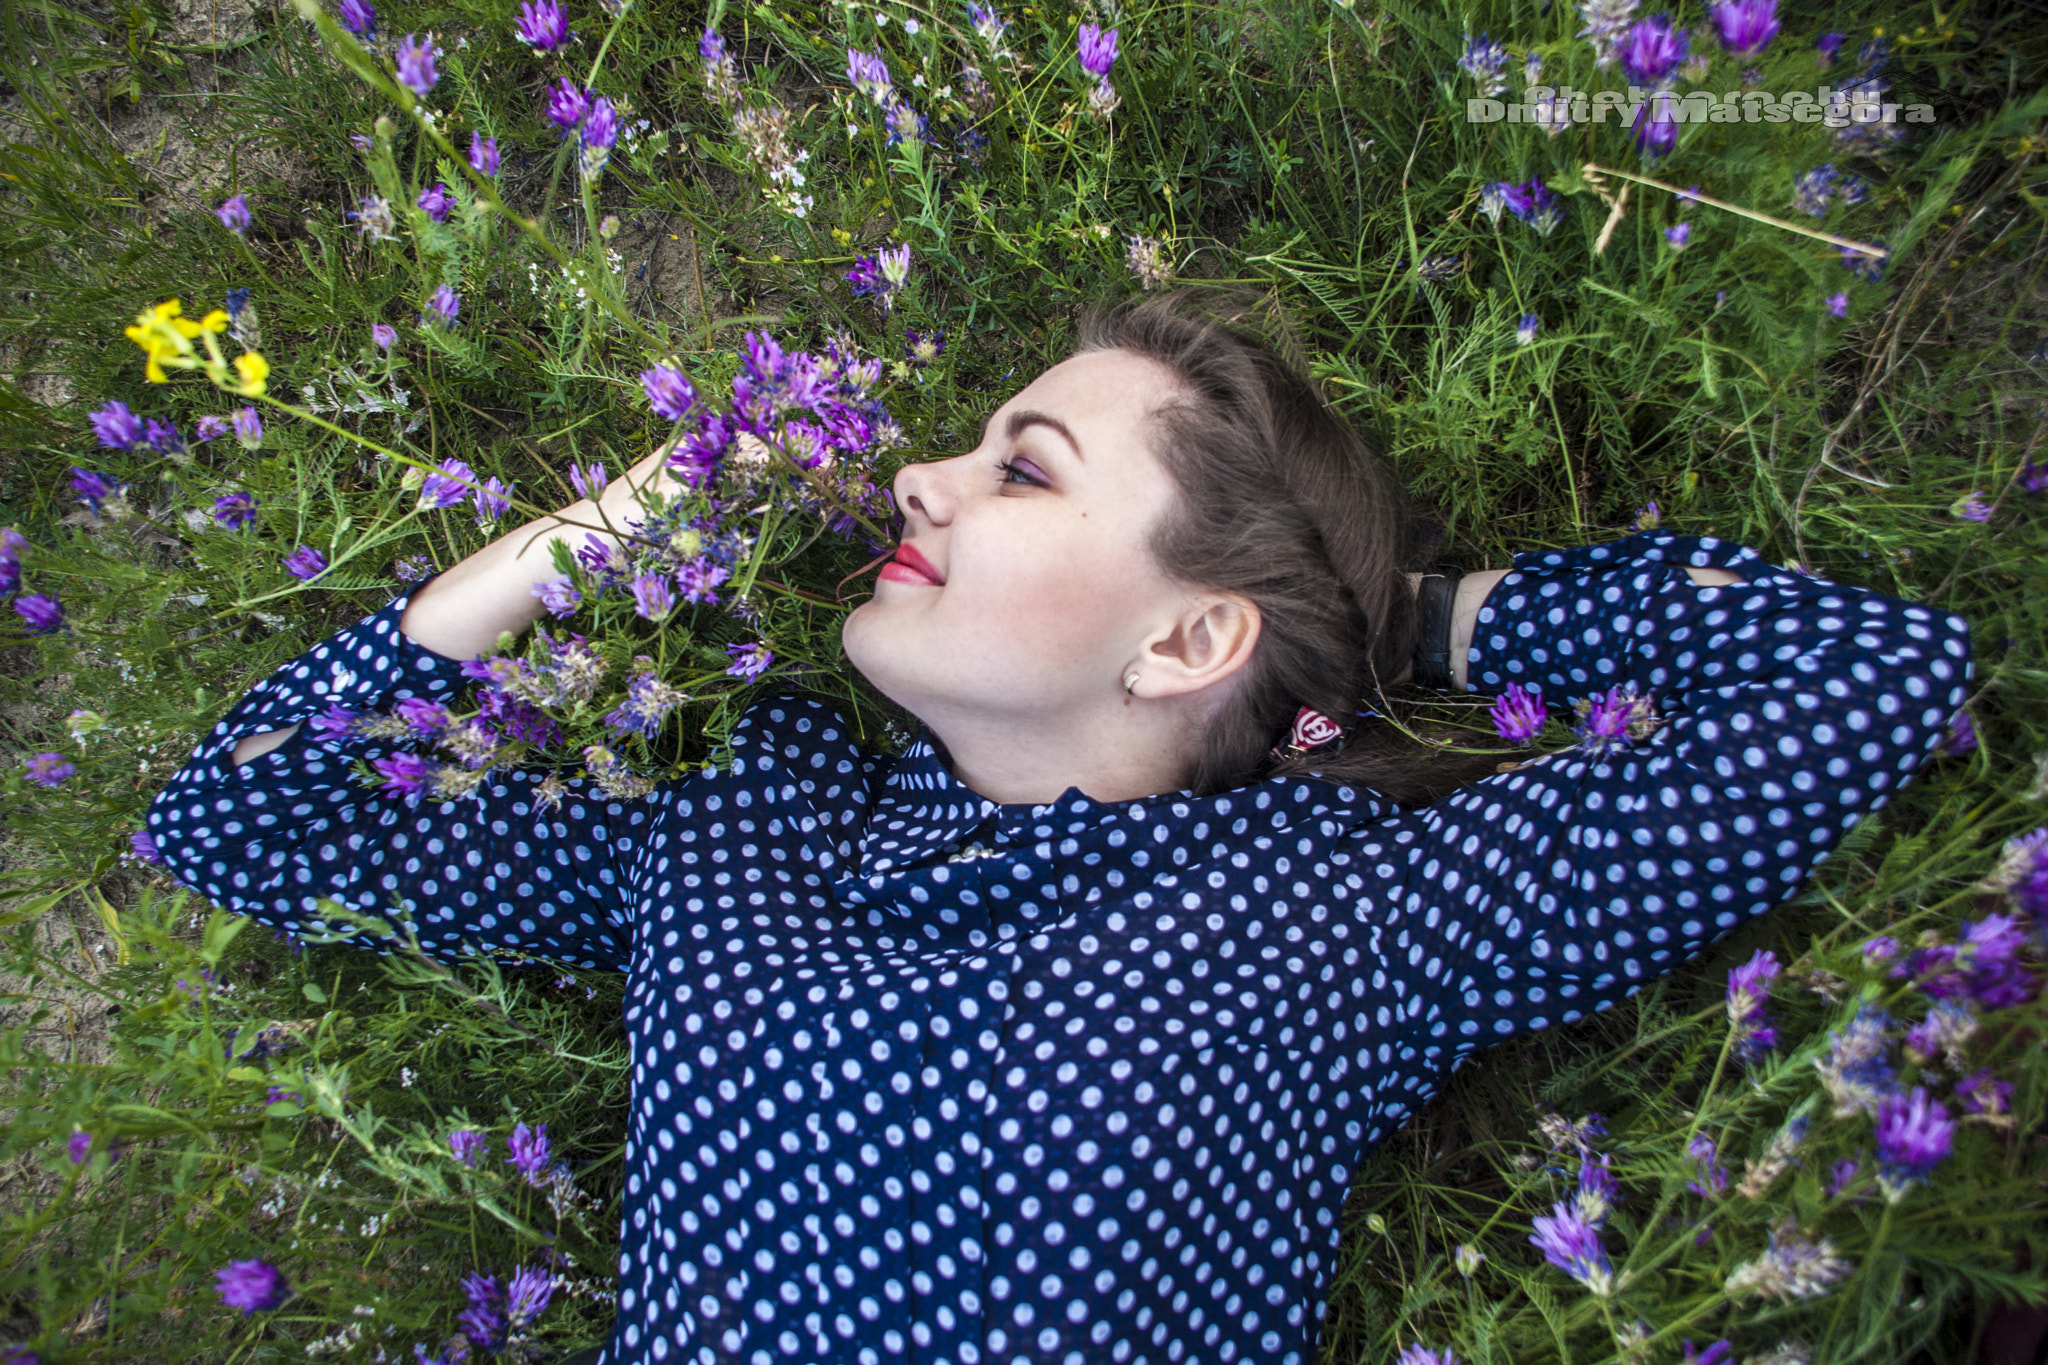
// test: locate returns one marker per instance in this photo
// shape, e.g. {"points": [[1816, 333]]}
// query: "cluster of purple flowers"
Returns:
{"points": [[1484, 61], [234, 214], [414, 61], [498, 1314], [444, 305], [1534, 203], [543, 25], [436, 201], [1749, 990], [1614, 720], [869, 75], [1982, 968], [42, 613], [359, 18], [529, 1148], [882, 275], [453, 481], [1518, 714], [1096, 51], [593, 118], [252, 1286], [1817, 190]]}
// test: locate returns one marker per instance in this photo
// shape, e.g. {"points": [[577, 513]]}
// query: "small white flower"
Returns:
{"points": [[911, 26]]}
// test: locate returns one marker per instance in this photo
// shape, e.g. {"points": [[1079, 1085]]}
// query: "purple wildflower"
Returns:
{"points": [[79, 1147], [235, 510], [1597, 1188], [1827, 45], [543, 26], [1720, 1353], [1857, 1072], [516, 719], [1677, 235], [211, 427], [1534, 203], [402, 774], [483, 1322], [1914, 1135], [92, 487], [566, 104], [116, 426], [1961, 737], [869, 75], [1526, 329], [49, 770], [483, 154], [748, 661], [1838, 305], [1096, 49], [383, 336], [529, 1147], [163, 436], [1484, 60], [1572, 1244], [1841, 1176], [415, 61], [444, 304], [42, 612], [305, 562], [358, 18], [426, 717], [526, 1298], [248, 424], [1518, 714], [1971, 507], [277, 1094], [1749, 990], [491, 502], [143, 846], [332, 723], [695, 580], [467, 1144], [251, 1286], [1713, 1176], [1982, 1093], [1422, 1355], [436, 200], [234, 214], [1653, 50], [669, 392], [652, 597], [449, 483], [923, 348], [601, 125], [1657, 127], [1606, 721], [1745, 27], [591, 482], [882, 275]]}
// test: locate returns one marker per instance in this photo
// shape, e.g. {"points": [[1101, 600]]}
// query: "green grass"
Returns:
{"points": [[1317, 151]]}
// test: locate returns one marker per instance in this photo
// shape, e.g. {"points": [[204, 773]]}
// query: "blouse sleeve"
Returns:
{"points": [[495, 870], [1791, 708]]}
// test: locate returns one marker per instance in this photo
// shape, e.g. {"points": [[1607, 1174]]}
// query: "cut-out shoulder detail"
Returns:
{"points": [[1087, 1080]]}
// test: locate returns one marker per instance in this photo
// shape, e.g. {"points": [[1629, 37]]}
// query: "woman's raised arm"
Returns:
{"points": [[1789, 709], [268, 820]]}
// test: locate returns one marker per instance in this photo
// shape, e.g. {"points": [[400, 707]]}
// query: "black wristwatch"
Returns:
{"points": [[1436, 598]]}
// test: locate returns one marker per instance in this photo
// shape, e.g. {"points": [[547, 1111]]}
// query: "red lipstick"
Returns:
{"points": [[911, 567]]}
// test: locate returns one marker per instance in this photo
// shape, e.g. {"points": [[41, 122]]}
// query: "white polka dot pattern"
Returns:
{"points": [[923, 1076]]}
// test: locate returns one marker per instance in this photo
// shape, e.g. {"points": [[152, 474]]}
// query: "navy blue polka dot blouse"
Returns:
{"points": [[922, 1076]]}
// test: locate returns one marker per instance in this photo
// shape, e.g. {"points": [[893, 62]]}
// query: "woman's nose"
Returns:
{"points": [[925, 488]]}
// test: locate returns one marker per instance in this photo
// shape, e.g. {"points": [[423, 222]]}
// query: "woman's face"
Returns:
{"points": [[1048, 595]]}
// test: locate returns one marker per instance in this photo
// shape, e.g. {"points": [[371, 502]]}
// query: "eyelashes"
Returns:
{"points": [[1006, 468]]}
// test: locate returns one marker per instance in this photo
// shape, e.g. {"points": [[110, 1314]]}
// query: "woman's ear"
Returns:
{"points": [[1210, 641]]}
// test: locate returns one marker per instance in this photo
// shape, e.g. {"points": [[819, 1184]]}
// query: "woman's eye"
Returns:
{"points": [[1008, 469]]}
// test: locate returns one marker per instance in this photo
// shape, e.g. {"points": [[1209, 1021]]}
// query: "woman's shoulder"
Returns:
{"points": [[797, 731]]}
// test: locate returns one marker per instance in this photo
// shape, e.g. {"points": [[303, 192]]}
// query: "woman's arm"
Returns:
{"points": [[269, 822], [460, 613], [1789, 710], [1474, 588]]}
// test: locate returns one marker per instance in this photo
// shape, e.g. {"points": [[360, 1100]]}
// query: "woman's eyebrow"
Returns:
{"points": [[1027, 417]]}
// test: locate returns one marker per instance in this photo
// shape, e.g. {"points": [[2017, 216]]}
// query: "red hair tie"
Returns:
{"points": [[1312, 730]]}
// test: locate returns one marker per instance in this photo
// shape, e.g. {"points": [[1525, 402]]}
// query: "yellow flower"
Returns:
{"points": [[216, 321], [254, 369], [164, 335]]}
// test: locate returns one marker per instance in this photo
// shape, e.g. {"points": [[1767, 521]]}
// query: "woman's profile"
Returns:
{"points": [[1058, 1038]]}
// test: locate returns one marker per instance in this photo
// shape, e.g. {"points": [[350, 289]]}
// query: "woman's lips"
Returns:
{"points": [[911, 567]]}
